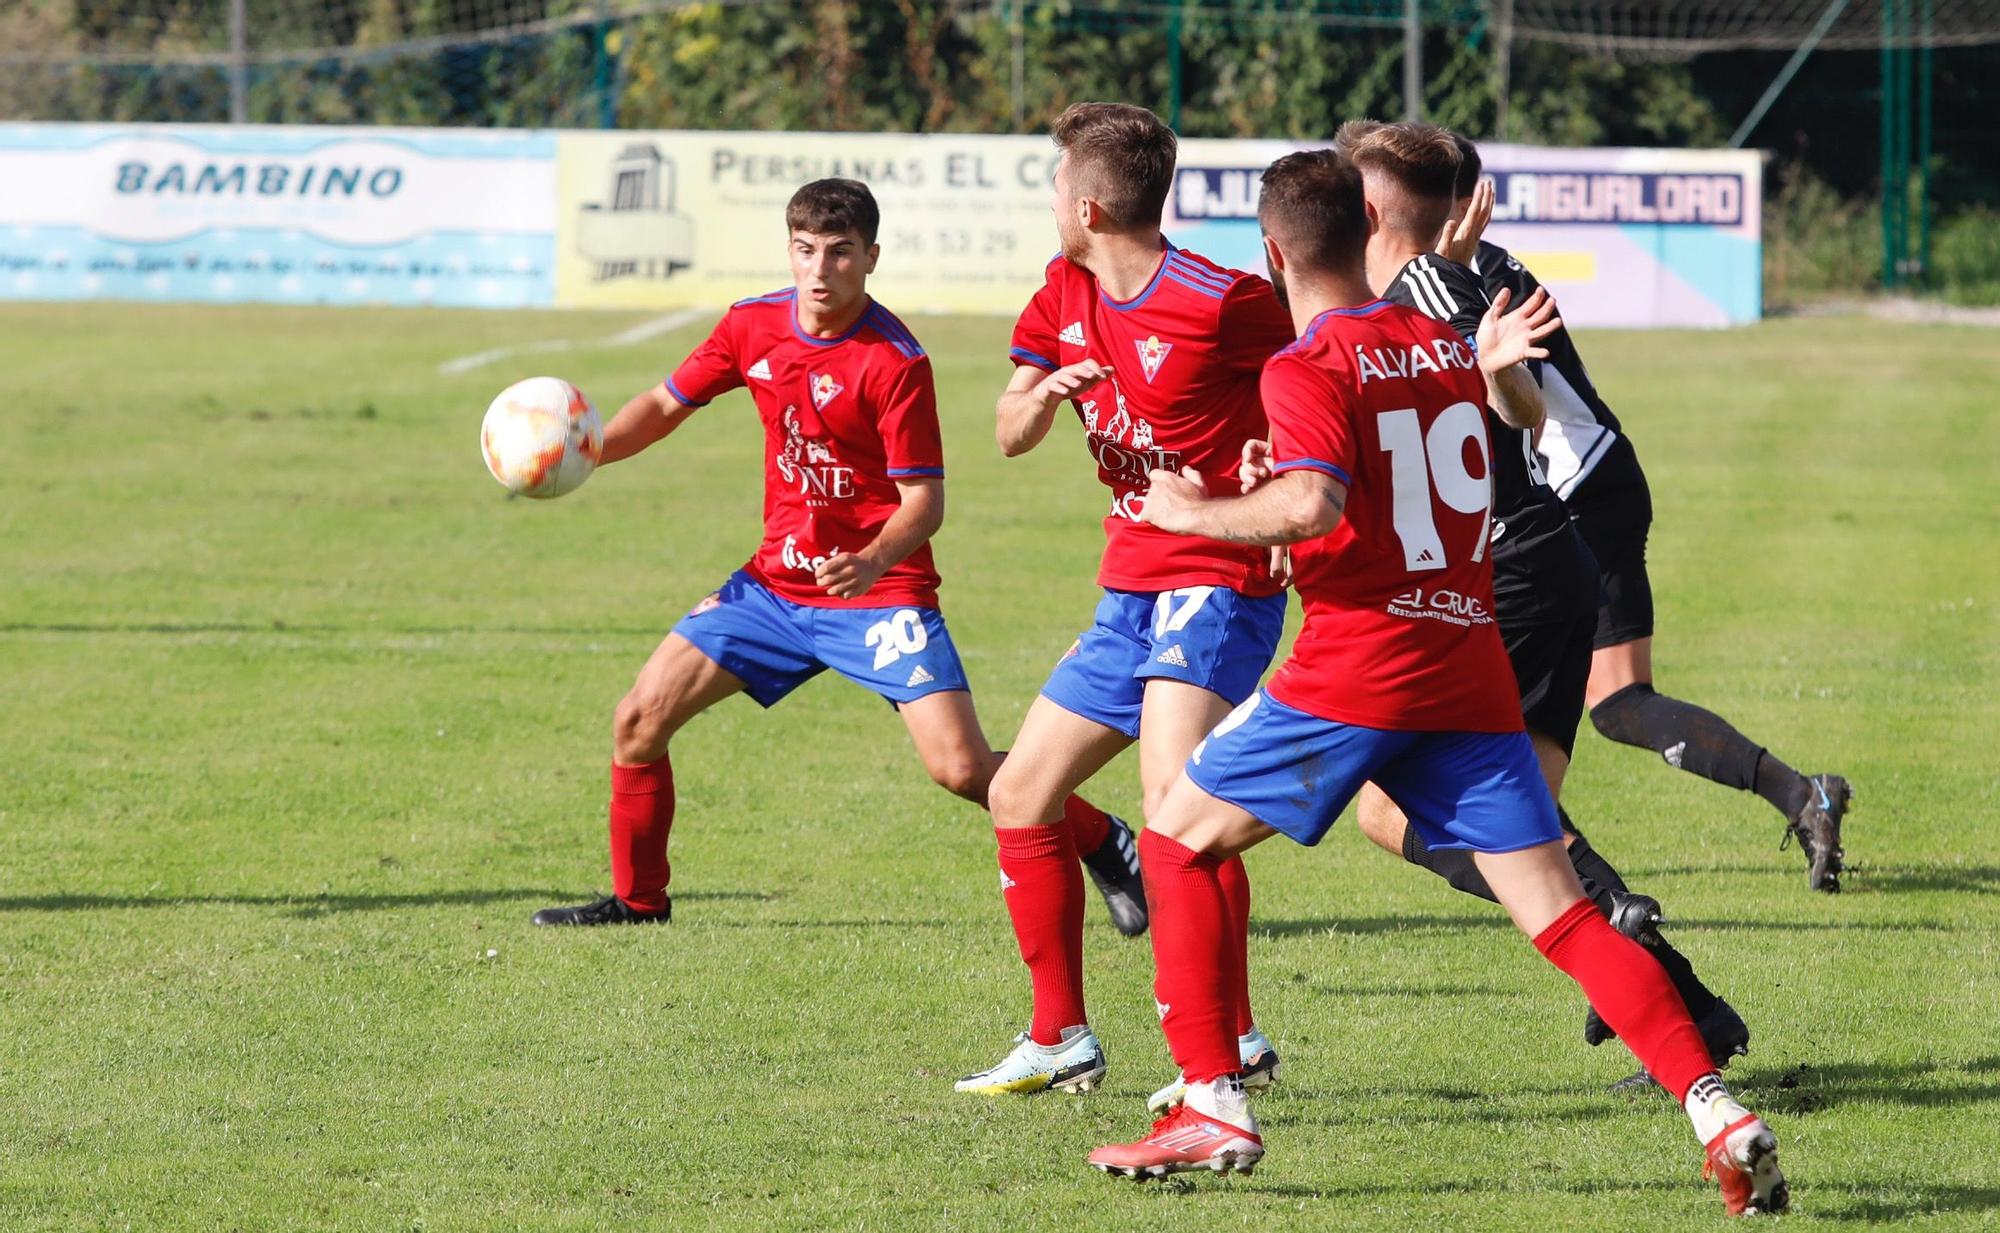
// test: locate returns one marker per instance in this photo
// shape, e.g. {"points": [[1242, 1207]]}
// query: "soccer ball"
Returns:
{"points": [[541, 437]]}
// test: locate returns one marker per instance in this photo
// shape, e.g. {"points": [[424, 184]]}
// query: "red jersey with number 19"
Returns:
{"points": [[1399, 631], [844, 419], [1185, 354]]}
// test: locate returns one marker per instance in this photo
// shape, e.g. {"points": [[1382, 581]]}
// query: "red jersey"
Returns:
{"points": [[844, 419], [1185, 354], [1399, 631]]}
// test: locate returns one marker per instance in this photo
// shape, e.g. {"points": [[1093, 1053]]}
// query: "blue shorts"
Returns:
{"points": [[775, 645], [1212, 637], [1295, 772]]}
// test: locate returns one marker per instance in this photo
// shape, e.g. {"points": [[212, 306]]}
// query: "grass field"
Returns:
{"points": [[299, 721]]}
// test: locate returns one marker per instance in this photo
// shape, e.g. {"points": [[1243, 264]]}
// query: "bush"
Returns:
{"points": [[1965, 257]]}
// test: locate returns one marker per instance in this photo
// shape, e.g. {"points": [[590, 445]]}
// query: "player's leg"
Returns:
{"points": [[1485, 791], [945, 729], [1265, 769], [1625, 707], [736, 640], [1175, 718]]}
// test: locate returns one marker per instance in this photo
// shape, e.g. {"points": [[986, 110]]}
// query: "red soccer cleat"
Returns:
{"points": [[1182, 1142], [1744, 1160]]}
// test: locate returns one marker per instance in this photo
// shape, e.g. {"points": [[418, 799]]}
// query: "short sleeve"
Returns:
{"points": [[1443, 291], [712, 370], [1312, 418], [1255, 326], [1035, 332], [912, 446]]}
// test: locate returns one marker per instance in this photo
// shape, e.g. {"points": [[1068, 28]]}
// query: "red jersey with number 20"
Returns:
{"points": [[1399, 631], [1185, 355], [844, 419]]}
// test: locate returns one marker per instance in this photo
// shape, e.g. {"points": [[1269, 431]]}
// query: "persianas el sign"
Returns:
{"points": [[302, 215]]}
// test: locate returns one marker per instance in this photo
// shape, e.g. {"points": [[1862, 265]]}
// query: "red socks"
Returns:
{"points": [[1235, 881], [1198, 955], [642, 814], [1087, 825], [1630, 991], [1043, 887]]}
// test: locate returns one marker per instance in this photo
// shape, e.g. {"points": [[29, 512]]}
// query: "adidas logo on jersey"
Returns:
{"points": [[1173, 656], [919, 677], [1072, 334], [761, 369]]}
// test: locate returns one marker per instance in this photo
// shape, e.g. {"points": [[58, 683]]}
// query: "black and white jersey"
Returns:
{"points": [[1526, 511], [1580, 430]]}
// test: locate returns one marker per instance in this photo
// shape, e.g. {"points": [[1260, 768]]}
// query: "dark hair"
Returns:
{"points": [[1311, 204], [1421, 162], [1468, 166], [834, 207], [1353, 132], [1120, 156]]}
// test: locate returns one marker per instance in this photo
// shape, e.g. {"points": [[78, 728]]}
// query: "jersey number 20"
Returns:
{"points": [[1421, 463]]}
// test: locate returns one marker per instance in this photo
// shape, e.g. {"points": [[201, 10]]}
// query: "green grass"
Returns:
{"points": [[299, 720]]}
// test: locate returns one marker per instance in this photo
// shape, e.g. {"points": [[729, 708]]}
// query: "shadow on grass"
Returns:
{"points": [[1842, 1201], [1808, 1087], [1419, 922], [1824, 1200], [327, 903]]}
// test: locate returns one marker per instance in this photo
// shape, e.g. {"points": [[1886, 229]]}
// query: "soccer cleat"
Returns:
{"points": [[1818, 830], [1182, 1142], [610, 910], [1114, 868], [1260, 1070], [1637, 917], [1722, 1030], [1074, 1065], [1744, 1160]]}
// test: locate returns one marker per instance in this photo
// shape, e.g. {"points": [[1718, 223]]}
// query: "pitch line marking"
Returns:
{"points": [[624, 338]]}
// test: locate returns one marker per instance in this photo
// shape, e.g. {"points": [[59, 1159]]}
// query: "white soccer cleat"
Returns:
{"points": [[1744, 1160], [1182, 1142], [1074, 1065], [1260, 1070]]}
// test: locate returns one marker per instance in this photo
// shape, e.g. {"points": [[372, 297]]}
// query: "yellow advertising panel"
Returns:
{"points": [[689, 219]]}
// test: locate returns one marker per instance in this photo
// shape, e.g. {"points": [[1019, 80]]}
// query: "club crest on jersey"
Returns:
{"points": [[1152, 354], [824, 387]]}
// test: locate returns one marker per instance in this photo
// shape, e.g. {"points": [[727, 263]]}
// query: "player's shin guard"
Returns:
{"points": [[1043, 887], [642, 816], [1235, 880], [1684, 734], [1632, 992], [1197, 956]]}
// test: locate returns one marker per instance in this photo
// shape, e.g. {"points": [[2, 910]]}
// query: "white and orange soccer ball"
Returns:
{"points": [[541, 438]]}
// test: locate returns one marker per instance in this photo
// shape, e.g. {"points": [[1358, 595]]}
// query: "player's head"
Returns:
{"points": [[1410, 173], [833, 249], [1315, 219], [1116, 164]]}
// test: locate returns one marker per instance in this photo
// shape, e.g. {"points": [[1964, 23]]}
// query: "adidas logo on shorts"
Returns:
{"points": [[919, 676], [761, 369], [1173, 656], [1072, 334]]}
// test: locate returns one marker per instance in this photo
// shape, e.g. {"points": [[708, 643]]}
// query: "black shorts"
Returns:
{"points": [[1549, 642], [1613, 510]]}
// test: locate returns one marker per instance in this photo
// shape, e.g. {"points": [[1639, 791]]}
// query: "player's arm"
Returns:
{"points": [[1506, 342], [648, 418], [849, 575], [1291, 507], [1028, 407]]}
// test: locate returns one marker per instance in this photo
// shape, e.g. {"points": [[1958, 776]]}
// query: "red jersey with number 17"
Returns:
{"points": [[844, 419], [1399, 631], [1185, 355]]}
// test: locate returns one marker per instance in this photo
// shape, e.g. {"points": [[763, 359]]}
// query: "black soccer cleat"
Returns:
{"points": [[1114, 868], [1637, 917], [1722, 1030], [1817, 827], [610, 910]]}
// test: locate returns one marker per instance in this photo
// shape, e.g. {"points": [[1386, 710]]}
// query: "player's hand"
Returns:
{"points": [[1256, 466], [1507, 338], [1281, 564], [1071, 380], [1459, 242], [1171, 498], [846, 575]]}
